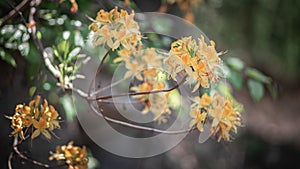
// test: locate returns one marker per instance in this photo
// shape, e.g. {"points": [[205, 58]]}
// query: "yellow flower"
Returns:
{"points": [[124, 55], [75, 157], [157, 103], [41, 127], [200, 61], [144, 87], [115, 28], [102, 17], [151, 58], [203, 102], [225, 118], [42, 117], [198, 118], [134, 69]]}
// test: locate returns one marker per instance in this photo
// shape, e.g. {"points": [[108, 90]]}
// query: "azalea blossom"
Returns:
{"points": [[198, 118], [42, 117], [199, 61], [225, 118], [115, 28], [75, 157], [156, 103]]}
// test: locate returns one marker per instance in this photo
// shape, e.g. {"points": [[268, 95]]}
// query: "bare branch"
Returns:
{"points": [[10, 160], [98, 71], [16, 10], [24, 157], [138, 127], [107, 87], [47, 54], [114, 102], [142, 93], [21, 155]]}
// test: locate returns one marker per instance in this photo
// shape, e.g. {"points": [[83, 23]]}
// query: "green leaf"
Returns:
{"points": [[33, 55], [24, 48], [17, 35], [25, 37], [35, 134], [66, 35], [63, 47], [7, 57], [46, 134], [78, 39], [174, 99], [39, 35], [256, 89], [257, 75], [225, 90], [68, 107], [57, 54], [236, 79], [32, 91], [93, 163], [235, 63], [73, 54], [273, 91]]}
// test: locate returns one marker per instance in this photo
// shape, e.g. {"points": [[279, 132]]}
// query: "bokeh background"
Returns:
{"points": [[264, 34]]}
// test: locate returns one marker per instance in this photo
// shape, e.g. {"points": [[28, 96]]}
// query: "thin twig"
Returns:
{"points": [[24, 157], [107, 87], [21, 155], [114, 102], [10, 160], [79, 92], [139, 127], [100, 66], [44, 53], [142, 93], [16, 10]]}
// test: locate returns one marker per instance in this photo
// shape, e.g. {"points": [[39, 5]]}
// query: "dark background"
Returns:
{"points": [[263, 33]]}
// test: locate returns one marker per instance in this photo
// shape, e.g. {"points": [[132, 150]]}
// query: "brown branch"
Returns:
{"points": [[138, 127], [14, 12], [24, 157], [114, 102], [100, 66], [21, 155], [142, 93], [10, 160], [107, 87], [46, 54]]}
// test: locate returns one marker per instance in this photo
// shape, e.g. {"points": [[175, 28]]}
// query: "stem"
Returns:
{"points": [[10, 160], [138, 127], [107, 87], [98, 71], [114, 102], [39, 45], [21, 155], [142, 93], [24, 157], [14, 12]]}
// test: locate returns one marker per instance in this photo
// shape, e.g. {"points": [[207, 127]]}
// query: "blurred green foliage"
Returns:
{"points": [[264, 32]]}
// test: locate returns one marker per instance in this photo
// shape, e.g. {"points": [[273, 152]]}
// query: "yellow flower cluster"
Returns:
{"points": [[157, 103], [42, 117], [199, 61], [115, 28], [225, 118], [198, 111], [145, 65], [75, 157]]}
